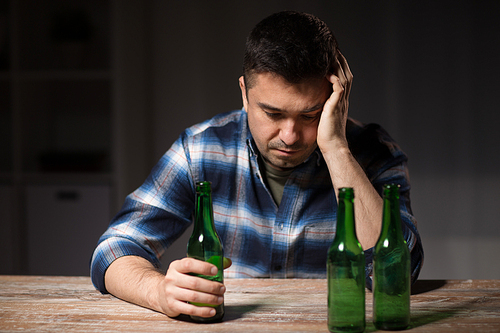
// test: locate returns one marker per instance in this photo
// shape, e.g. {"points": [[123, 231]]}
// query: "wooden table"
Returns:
{"points": [[71, 304]]}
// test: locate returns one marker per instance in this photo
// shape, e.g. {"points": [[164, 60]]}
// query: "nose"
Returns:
{"points": [[289, 132]]}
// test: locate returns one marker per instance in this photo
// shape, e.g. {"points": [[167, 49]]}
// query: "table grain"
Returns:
{"points": [[71, 304]]}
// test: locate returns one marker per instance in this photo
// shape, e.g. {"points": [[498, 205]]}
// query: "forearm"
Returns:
{"points": [[134, 279], [345, 171]]}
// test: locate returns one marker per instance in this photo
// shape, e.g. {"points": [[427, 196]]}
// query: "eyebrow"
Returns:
{"points": [[316, 107]]}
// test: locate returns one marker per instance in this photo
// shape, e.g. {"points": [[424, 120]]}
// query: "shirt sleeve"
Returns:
{"points": [[152, 217]]}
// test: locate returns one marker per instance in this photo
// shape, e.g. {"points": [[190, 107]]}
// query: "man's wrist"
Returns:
{"points": [[152, 293], [336, 150]]}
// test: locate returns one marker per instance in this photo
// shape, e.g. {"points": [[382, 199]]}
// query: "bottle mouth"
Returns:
{"points": [[346, 192], [203, 185], [391, 189]]}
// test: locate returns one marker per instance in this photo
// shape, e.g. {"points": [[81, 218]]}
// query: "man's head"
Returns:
{"points": [[295, 46], [284, 87]]}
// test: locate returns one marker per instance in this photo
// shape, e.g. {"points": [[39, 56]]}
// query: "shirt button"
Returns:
{"points": [[281, 226]]}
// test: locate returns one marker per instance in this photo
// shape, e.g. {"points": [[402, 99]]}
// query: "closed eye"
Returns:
{"points": [[307, 117], [273, 115], [311, 116]]}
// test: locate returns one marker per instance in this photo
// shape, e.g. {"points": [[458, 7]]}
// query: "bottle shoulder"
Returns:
{"points": [[387, 247], [343, 249]]}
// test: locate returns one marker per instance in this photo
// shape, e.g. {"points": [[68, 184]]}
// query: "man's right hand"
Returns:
{"points": [[136, 280], [178, 289]]}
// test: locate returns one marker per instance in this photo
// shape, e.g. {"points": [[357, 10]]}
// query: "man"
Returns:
{"points": [[275, 168]]}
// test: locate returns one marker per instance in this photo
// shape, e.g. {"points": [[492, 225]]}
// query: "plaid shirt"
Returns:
{"points": [[262, 239]]}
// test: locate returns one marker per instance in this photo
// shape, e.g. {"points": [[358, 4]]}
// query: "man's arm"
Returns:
{"points": [[136, 280], [345, 171]]}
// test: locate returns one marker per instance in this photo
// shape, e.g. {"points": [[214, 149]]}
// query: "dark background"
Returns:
{"points": [[427, 71]]}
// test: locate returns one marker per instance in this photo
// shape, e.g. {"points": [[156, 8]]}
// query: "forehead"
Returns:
{"points": [[274, 90]]}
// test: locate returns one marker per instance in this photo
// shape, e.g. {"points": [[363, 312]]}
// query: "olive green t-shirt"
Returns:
{"points": [[275, 180]]}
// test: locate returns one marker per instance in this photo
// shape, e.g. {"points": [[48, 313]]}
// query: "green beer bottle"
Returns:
{"points": [[204, 243], [391, 268], [346, 271]]}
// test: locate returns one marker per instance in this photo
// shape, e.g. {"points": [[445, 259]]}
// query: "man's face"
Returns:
{"points": [[283, 117]]}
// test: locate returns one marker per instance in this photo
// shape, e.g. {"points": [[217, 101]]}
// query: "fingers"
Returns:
{"points": [[179, 270], [179, 289], [344, 72], [191, 302], [191, 265], [192, 310], [337, 104], [344, 66], [338, 87], [180, 301], [200, 291]]}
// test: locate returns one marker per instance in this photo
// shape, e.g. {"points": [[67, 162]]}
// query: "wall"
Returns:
{"points": [[426, 71]]}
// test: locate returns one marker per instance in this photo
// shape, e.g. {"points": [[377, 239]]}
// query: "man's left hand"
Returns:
{"points": [[332, 124]]}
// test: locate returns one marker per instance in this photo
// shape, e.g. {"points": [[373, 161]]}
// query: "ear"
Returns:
{"points": [[243, 92]]}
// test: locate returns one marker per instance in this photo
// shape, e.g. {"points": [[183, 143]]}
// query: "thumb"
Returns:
{"points": [[227, 262]]}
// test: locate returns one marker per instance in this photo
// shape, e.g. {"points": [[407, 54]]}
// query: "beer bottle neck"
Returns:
{"points": [[345, 215], [345, 218], [203, 211], [391, 220]]}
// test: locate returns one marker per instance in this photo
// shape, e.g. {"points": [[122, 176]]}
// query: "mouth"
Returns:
{"points": [[286, 152]]}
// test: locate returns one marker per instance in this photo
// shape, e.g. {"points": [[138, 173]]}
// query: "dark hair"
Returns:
{"points": [[296, 46]]}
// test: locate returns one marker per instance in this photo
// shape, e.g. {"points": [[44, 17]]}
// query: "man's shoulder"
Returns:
{"points": [[370, 139], [223, 124]]}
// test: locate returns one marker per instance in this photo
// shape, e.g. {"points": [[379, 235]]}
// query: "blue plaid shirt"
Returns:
{"points": [[262, 239]]}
